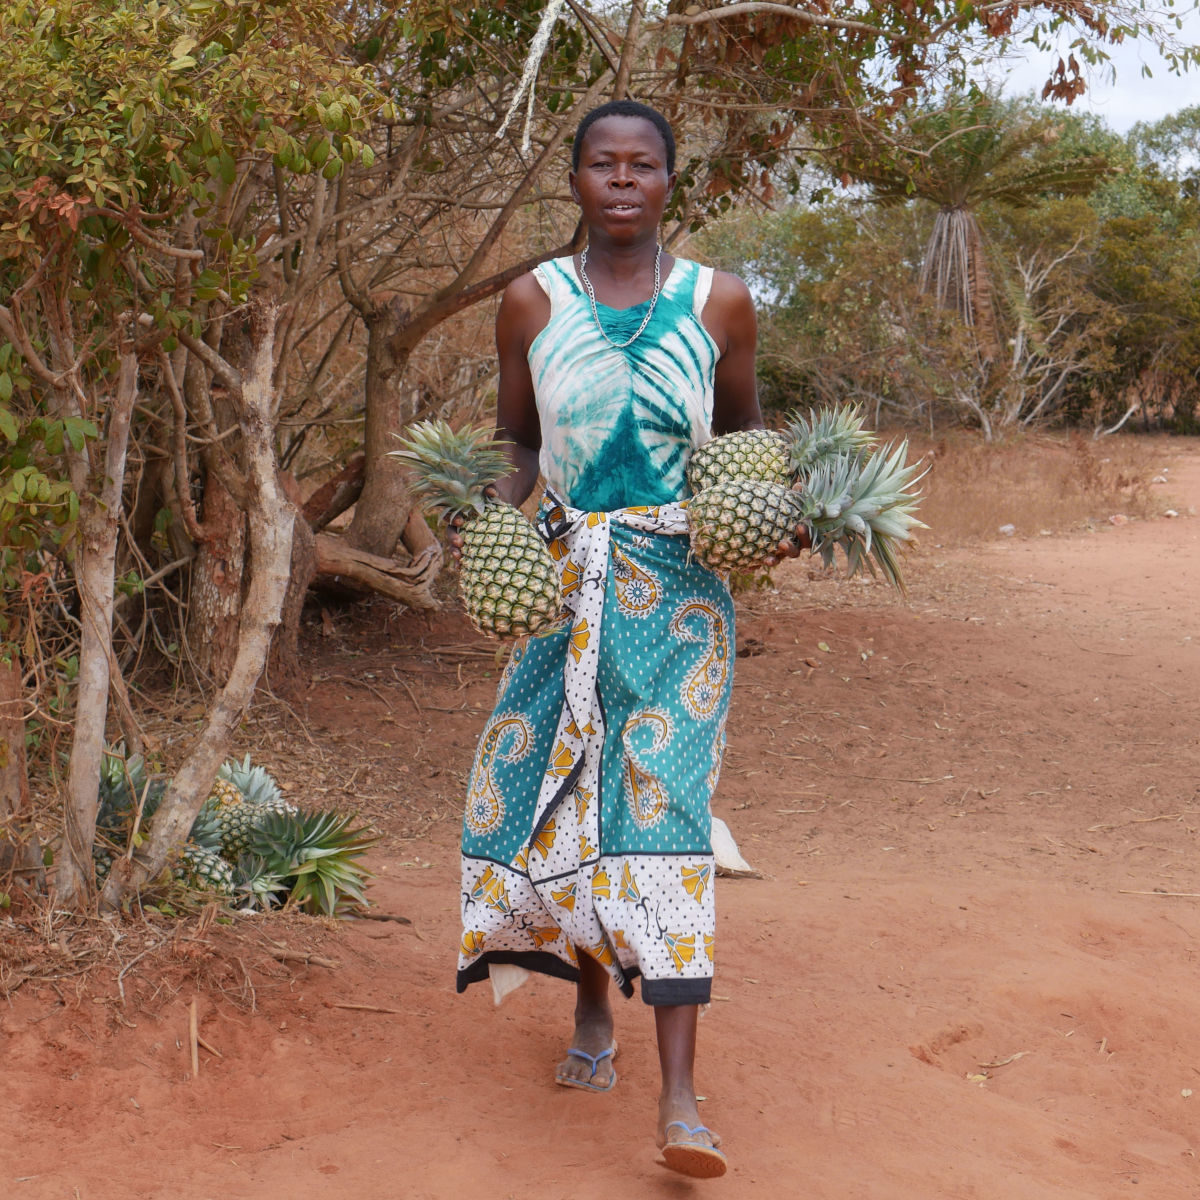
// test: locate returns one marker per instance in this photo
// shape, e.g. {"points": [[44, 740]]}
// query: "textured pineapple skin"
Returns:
{"points": [[204, 871], [737, 524], [508, 582], [759, 454]]}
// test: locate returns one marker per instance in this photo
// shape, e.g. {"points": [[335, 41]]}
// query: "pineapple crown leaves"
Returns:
{"points": [[124, 784], [866, 505], [317, 854], [825, 433], [254, 782], [451, 469]]}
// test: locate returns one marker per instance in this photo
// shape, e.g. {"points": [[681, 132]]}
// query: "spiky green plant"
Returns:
{"points": [[507, 581], [256, 885], [317, 854], [124, 785]]}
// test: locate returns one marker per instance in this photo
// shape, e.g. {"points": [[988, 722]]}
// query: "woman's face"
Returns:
{"points": [[622, 184]]}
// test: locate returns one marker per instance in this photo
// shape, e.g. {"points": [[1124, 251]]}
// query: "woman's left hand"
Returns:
{"points": [[791, 547]]}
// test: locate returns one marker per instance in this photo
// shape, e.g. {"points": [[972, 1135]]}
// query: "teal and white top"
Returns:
{"points": [[619, 424]]}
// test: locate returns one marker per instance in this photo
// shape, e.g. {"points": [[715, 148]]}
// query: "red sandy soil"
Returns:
{"points": [[964, 973]]}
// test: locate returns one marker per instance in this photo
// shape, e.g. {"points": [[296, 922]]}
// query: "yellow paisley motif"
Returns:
{"points": [[571, 577], [629, 888], [583, 800], [472, 941], [557, 548], [543, 934], [596, 518], [709, 943], [638, 590], [490, 888], [565, 898], [601, 884], [619, 941], [602, 953], [586, 849], [485, 805], [580, 636], [562, 761], [644, 793], [703, 689], [695, 880], [521, 862], [544, 842], [683, 949]]}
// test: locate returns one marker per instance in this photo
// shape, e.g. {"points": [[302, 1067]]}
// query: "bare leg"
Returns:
{"points": [[593, 1025], [676, 1028]]}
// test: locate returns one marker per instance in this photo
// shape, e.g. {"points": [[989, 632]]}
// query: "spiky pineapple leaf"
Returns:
{"points": [[317, 854], [451, 468]]}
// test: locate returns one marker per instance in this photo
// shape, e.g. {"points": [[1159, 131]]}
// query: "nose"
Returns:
{"points": [[622, 176]]}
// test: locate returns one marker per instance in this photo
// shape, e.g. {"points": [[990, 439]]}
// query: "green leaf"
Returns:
{"points": [[8, 424], [6, 391]]}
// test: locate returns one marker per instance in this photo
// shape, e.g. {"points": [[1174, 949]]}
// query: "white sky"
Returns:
{"points": [[1131, 97]]}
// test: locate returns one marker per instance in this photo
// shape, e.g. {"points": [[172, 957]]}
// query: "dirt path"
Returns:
{"points": [[945, 987]]}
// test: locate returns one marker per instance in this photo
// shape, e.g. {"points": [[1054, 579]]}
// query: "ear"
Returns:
{"points": [[571, 185]]}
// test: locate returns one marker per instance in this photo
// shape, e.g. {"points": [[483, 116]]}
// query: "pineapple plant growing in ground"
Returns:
{"points": [[507, 579], [248, 845]]}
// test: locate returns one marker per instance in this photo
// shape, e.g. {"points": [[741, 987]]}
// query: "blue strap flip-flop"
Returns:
{"points": [[696, 1159], [594, 1060]]}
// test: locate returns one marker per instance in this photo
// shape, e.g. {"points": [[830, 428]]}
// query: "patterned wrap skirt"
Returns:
{"points": [[587, 820]]}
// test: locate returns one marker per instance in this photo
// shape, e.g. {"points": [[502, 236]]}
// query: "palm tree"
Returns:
{"points": [[959, 156]]}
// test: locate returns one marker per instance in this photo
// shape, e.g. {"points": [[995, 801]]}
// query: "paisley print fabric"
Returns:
{"points": [[587, 820], [619, 424]]}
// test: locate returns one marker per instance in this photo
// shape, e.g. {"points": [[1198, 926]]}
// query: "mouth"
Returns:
{"points": [[622, 206]]}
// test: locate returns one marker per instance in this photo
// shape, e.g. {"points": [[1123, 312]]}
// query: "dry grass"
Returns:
{"points": [[1038, 483]]}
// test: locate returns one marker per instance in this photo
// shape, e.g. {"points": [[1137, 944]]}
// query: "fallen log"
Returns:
{"points": [[411, 583]]}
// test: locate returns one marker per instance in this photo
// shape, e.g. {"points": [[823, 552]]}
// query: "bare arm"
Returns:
{"points": [[524, 311], [730, 319]]}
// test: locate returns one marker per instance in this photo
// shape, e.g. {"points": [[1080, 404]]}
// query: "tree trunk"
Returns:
{"points": [[94, 573], [270, 543], [285, 675], [215, 599], [410, 583], [19, 850], [383, 508]]}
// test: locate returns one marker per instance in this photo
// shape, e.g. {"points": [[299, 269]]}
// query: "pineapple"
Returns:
{"points": [[234, 818], [861, 505], [258, 789], [204, 871], [759, 454], [787, 457], [508, 582]]}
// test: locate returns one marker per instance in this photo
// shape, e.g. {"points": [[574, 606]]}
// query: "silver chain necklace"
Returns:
{"points": [[587, 283]]}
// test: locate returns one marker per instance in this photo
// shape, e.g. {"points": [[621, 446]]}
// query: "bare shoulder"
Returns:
{"points": [[524, 310], [730, 289], [729, 312]]}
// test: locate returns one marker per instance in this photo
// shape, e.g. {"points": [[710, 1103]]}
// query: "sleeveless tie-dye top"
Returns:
{"points": [[619, 425]]}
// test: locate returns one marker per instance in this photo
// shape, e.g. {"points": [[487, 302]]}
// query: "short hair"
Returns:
{"points": [[625, 108]]}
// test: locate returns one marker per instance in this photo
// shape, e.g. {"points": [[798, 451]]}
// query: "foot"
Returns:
{"points": [[687, 1145], [592, 1067]]}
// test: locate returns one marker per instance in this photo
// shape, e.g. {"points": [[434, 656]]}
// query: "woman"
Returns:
{"points": [[586, 848]]}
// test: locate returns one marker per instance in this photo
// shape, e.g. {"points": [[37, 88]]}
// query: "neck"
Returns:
{"points": [[621, 260]]}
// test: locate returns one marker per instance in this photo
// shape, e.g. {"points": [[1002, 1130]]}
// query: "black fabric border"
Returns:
{"points": [[676, 991], [540, 961]]}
